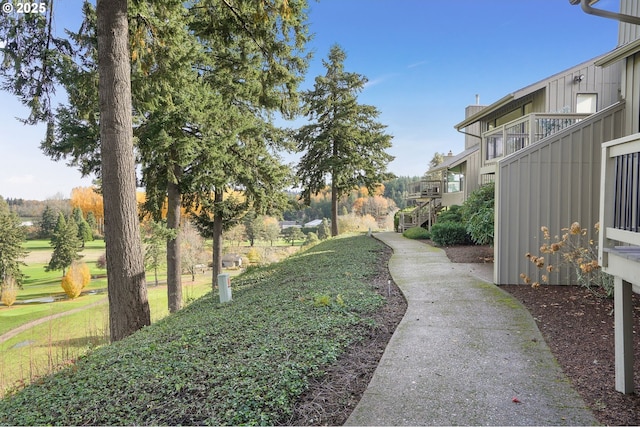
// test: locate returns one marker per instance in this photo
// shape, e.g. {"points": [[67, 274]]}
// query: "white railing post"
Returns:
{"points": [[532, 128], [623, 314]]}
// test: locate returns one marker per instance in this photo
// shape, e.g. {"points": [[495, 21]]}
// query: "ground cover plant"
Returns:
{"points": [[244, 362], [51, 335]]}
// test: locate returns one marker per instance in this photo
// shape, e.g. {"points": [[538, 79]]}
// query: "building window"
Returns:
{"points": [[586, 103], [454, 182], [494, 147]]}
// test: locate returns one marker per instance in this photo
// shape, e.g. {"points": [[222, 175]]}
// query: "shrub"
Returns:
{"points": [[312, 239], [76, 279], [9, 291], [477, 212], [449, 233], [324, 230], [483, 197], [576, 250], [416, 233], [452, 214], [254, 256], [480, 226], [101, 262]]}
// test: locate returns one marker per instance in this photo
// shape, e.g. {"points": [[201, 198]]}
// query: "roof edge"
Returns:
{"points": [[619, 53], [491, 108]]}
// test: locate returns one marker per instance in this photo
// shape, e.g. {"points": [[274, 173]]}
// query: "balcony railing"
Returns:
{"points": [[619, 243], [425, 189], [424, 213], [620, 200], [520, 133]]}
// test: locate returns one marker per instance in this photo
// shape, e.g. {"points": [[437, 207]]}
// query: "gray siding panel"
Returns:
{"points": [[628, 32], [563, 90], [472, 173], [552, 183]]}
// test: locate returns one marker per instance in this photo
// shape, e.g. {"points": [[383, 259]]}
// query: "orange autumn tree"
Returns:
{"points": [[89, 199]]}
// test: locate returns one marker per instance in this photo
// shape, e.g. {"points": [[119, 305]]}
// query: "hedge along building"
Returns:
{"points": [[542, 146]]}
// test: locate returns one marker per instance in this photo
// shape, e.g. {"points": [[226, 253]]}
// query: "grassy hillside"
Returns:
{"points": [[244, 362]]}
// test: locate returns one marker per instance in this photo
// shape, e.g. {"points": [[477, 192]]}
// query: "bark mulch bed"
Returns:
{"points": [[577, 326]]}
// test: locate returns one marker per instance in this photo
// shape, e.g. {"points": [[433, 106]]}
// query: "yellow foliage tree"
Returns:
{"points": [[76, 279], [9, 292], [88, 200]]}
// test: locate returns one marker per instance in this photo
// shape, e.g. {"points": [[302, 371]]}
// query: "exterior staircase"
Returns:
{"points": [[424, 213]]}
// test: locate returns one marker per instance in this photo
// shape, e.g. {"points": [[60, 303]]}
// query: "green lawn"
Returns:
{"points": [[244, 362]]}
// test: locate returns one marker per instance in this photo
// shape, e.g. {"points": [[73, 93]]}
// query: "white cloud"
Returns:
{"points": [[417, 64], [374, 82]]}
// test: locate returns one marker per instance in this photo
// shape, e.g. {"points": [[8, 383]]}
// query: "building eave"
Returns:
{"points": [[619, 53], [491, 108]]}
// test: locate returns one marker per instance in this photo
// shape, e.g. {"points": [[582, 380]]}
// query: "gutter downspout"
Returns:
{"points": [[586, 7], [470, 134]]}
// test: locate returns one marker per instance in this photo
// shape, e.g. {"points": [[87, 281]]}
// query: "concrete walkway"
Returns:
{"points": [[464, 351]]}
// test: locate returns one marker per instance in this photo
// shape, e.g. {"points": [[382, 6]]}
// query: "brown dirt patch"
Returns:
{"points": [[578, 327], [466, 254]]}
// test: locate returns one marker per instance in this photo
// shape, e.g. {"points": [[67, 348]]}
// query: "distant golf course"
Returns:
{"points": [[43, 330]]}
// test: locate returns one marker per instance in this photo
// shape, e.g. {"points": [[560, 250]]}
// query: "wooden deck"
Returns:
{"points": [[619, 243]]}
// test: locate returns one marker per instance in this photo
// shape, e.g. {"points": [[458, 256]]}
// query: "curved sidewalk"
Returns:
{"points": [[463, 352]]}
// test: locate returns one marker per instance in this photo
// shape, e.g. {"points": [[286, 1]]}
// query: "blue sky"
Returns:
{"points": [[425, 60]]}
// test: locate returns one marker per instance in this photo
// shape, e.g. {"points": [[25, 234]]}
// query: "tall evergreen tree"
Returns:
{"points": [[48, 222], [254, 62], [91, 220], [66, 245], [12, 236], [193, 107], [128, 303], [343, 144], [35, 61], [85, 233]]}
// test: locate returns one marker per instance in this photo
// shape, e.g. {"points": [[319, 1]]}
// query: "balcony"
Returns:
{"points": [[425, 190], [520, 133], [619, 242]]}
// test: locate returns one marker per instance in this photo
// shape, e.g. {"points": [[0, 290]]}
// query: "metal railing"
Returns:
{"points": [[626, 206], [620, 199], [420, 215], [425, 189], [619, 243], [520, 133]]}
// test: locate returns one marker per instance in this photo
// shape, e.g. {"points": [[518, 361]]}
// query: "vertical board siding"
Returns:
{"points": [[628, 32], [562, 90], [552, 183], [472, 174]]}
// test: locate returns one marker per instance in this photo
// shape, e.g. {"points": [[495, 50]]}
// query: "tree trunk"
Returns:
{"points": [[174, 277], [128, 304], [334, 210], [217, 238]]}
